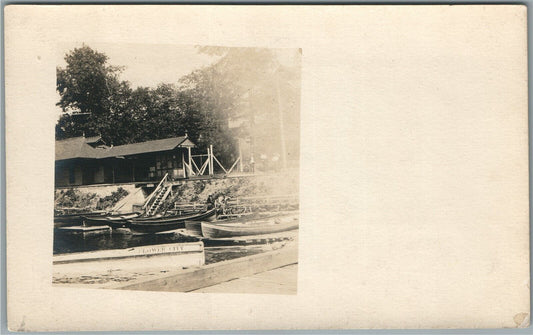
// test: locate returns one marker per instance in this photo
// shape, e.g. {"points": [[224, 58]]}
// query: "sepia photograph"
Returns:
{"points": [[176, 168]]}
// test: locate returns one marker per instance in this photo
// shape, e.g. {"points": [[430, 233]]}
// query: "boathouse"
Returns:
{"points": [[88, 160]]}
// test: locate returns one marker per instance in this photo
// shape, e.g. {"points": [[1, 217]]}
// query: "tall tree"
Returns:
{"points": [[91, 95], [256, 92]]}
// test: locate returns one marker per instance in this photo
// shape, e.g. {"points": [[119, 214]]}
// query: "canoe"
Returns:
{"points": [[259, 227], [167, 223], [113, 221]]}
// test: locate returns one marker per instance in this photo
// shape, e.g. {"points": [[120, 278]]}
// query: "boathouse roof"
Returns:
{"points": [[85, 147], [148, 146], [76, 147]]}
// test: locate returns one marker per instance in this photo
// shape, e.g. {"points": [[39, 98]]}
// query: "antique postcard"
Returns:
{"points": [[180, 167], [200, 171]]}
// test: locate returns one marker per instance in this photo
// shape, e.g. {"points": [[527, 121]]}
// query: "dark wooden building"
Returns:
{"points": [[88, 160]]}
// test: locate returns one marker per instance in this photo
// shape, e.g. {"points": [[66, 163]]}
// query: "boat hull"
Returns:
{"points": [[142, 258], [195, 227], [213, 230], [113, 221], [166, 224], [166, 218], [74, 219]]}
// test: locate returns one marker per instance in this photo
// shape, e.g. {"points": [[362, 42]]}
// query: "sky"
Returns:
{"points": [[147, 65], [150, 65]]}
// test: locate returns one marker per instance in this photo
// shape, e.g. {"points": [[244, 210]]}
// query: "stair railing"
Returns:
{"points": [[156, 205], [155, 191]]}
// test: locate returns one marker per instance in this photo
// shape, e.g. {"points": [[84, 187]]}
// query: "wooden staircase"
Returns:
{"points": [[158, 196]]}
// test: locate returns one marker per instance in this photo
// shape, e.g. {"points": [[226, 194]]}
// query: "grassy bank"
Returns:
{"points": [[76, 198]]}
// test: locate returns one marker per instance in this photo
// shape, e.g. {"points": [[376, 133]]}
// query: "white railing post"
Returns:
{"points": [[190, 158], [219, 164], [210, 157], [183, 165], [239, 160]]}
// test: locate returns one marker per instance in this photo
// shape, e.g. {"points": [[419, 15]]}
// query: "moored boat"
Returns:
{"points": [[113, 221], [167, 217], [195, 227], [64, 220], [162, 224], [257, 227], [133, 259]]}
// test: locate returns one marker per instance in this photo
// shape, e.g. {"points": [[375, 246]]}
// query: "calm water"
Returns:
{"points": [[68, 243]]}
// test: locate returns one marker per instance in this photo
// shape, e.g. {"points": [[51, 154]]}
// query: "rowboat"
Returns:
{"points": [[63, 220], [195, 227], [145, 258], [113, 221], [258, 227], [161, 224], [167, 217]]}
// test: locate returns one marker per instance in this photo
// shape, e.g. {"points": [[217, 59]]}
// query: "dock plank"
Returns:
{"points": [[208, 275], [277, 281]]}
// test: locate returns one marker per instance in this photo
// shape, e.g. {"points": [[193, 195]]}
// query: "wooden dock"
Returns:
{"points": [[282, 280], [208, 275]]}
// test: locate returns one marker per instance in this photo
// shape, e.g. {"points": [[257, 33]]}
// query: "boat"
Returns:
{"points": [[166, 223], [195, 227], [145, 258], [257, 227], [64, 220], [179, 214], [113, 221]]}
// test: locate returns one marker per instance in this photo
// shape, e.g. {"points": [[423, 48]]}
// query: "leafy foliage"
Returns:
{"points": [[91, 90], [73, 198], [245, 84], [112, 199], [78, 199]]}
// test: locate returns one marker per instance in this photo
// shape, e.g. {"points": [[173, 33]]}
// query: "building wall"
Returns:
{"points": [[78, 175], [61, 175], [99, 175], [68, 173], [143, 167], [167, 162]]}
